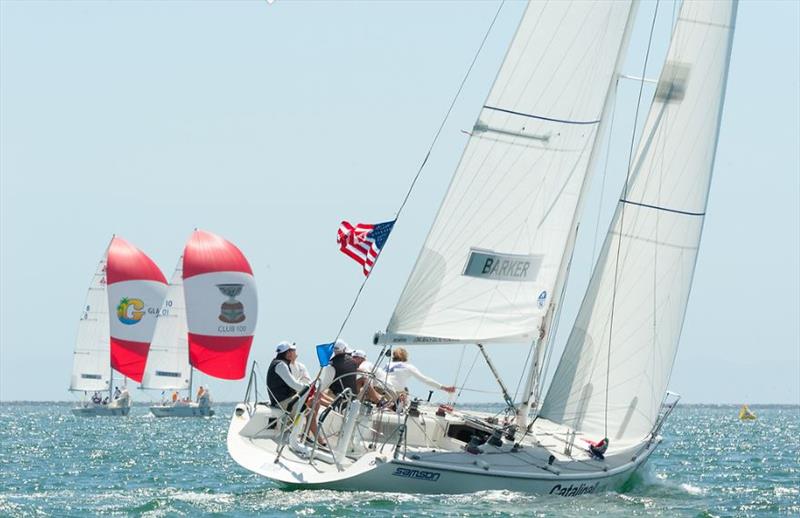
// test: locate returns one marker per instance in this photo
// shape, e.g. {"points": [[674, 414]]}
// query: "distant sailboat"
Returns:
{"points": [[745, 414], [206, 323], [494, 266], [130, 283]]}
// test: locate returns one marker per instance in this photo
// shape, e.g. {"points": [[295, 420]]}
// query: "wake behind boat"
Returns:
{"points": [[494, 267]]}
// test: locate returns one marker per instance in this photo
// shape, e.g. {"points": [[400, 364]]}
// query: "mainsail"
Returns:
{"points": [[613, 374], [168, 361], [136, 289], [221, 305], [91, 370], [489, 266]]}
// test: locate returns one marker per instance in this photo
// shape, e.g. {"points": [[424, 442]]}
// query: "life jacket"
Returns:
{"points": [[278, 389], [343, 365]]}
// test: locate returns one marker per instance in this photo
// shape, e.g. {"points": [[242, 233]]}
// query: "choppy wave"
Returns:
{"points": [[54, 463]]}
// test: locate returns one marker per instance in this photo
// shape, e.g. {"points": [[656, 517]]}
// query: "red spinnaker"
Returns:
{"points": [[221, 305], [136, 289]]}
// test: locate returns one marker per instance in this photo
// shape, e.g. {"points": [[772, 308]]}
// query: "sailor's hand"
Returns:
{"points": [[451, 389]]}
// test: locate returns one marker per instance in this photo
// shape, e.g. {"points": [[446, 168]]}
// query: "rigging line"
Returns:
{"points": [[622, 214], [450, 109], [425, 160], [524, 371], [461, 389]]}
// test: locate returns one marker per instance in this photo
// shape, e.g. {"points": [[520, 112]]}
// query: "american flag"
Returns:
{"points": [[363, 242]]}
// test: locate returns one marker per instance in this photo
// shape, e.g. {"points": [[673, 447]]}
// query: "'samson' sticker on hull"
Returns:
{"points": [[485, 264]]}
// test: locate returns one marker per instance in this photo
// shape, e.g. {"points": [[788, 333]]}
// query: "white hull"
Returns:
{"points": [[182, 410], [92, 410], [431, 470]]}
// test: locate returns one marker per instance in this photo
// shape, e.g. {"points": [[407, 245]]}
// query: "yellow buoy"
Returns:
{"points": [[745, 414]]}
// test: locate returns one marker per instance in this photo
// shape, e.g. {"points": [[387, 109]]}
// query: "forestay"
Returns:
{"points": [[168, 360], [614, 371], [91, 366], [488, 268]]}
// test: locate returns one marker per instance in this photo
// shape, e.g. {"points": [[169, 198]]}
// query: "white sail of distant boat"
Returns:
{"points": [[168, 360], [497, 258], [104, 345], [168, 368], [206, 324], [91, 370]]}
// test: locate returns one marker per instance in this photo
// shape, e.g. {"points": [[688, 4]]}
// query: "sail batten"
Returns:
{"points": [[612, 378], [491, 261]]}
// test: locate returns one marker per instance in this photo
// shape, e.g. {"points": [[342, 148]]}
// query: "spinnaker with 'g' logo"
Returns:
{"points": [[136, 289], [221, 305], [115, 328]]}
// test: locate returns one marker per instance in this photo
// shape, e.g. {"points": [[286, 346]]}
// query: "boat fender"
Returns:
{"points": [[551, 460]]}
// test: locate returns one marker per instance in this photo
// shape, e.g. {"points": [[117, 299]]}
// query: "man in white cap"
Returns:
{"points": [[360, 357], [341, 366], [341, 373], [284, 387], [296, 367]]}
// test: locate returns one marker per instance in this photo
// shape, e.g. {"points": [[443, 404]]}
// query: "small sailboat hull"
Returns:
{"points": [[182, 410], [253, 447], [102, 410]]}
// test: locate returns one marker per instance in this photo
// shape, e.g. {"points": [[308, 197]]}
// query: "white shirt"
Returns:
{"points": [[398, 373], [327, 376], [300, 372], [282, 370], [366, 366]]}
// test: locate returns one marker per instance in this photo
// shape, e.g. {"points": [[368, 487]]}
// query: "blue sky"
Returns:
{"points": [[270, 123]]}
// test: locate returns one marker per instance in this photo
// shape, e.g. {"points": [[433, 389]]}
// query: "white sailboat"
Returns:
{"points": [[129, 281], [495, 263], [168, 368], [202, 324], [91, 366]]}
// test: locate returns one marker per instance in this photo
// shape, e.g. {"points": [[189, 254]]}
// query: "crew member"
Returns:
{"points": [[399, 371], [284, 388]]}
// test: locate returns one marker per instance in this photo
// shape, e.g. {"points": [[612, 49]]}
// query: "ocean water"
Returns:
{"points": [[52, 463]]}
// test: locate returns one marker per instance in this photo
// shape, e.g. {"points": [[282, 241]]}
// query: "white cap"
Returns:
{"points": [[285, 346], [358, 353], [340, 346]]}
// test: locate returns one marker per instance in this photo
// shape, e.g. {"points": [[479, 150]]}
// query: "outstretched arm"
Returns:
{"points": [[426, 380]]}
